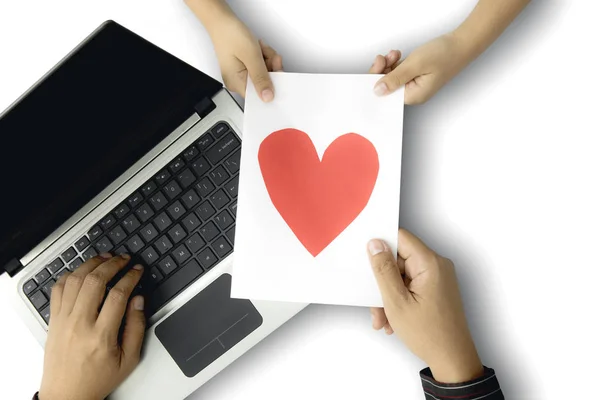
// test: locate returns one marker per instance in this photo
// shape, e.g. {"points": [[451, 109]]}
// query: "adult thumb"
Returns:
{"points": [[387, 273], [133, 334], [257, 70], [391, 82]]}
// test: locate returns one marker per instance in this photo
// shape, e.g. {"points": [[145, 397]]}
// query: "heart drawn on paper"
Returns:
{"points": [[318, 199]]}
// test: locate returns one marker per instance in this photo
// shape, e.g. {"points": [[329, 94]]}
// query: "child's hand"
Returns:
{"points": [[425, 70], [422, 306], [85, 358], [240, 54]]}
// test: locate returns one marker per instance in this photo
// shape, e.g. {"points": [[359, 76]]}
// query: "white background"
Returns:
{"points": [[340, 274], [500, 173]]}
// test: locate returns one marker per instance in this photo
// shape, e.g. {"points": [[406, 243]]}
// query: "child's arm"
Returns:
{"points": [[240, 54], [432, 65]]}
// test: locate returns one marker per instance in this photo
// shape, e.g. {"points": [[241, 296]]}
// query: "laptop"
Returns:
{"points": [[123, 148]]}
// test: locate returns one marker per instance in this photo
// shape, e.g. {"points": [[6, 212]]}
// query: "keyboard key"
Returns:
{"points": [[186, 178], [181, 254], [209, 231], [219, 175], [176, 165], [232, 187], [205, 141], [95, 232], [223, 148], [135, 244], [47, 287], [158, 201], [55, 266], [107, 222], [149, 232], [104, 245], [117, 235], [149, 255], [68, 255], [201, 167], [233, 209], [224, 219], [219, 199], [195, 243], [162, 222], [131, 223], [163, 245], [205, 211], [144, 213], [176, 210], [155, 275], [89, 253], [220, 129], [45, 313], [38, 299], [134, 200], [207, 258], [172, 189], [233, 163], [121, 211], [190, 198], [190, 153], [120, 250], [149, 188], [167, 265], [176, 233], [42, 275], [221, 246], [191, 222], [231, 235], [76, 263], [175, 284], [29, 286], [162, 176], [61, 273], [82, 244], [205, 187]]}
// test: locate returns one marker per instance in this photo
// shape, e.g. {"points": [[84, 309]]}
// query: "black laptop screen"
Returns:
{"points": [[80, 128]]}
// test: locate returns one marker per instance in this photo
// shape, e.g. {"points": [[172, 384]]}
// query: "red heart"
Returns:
{"points": [[318, 199]]}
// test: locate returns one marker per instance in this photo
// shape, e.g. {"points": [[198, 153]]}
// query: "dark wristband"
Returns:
{"points": [[485, 387]]}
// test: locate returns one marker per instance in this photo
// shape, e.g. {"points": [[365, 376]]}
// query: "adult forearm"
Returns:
{"points": [[485, 24]]}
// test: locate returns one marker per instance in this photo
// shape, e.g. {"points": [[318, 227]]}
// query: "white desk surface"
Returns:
{"points": [[500, 173]]}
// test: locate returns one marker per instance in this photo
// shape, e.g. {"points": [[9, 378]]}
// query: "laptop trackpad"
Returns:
{"points": [[207, 326]]}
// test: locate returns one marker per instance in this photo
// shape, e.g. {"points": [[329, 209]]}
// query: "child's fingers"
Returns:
{"points": [[392, 58], [378, 65]]}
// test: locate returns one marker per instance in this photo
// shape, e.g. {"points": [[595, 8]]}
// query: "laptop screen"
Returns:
{"points": [[85, 124]]}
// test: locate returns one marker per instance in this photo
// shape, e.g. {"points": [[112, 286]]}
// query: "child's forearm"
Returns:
{"points": [[210, 12], [485, 24]]}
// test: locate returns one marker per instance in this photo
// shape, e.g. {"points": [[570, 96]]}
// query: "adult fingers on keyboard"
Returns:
{"points": [[75, 280], [57, 294], [94, 286], [115, 304]]}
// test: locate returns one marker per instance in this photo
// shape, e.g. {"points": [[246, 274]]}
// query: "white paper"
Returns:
{"points": [[270, 262]]}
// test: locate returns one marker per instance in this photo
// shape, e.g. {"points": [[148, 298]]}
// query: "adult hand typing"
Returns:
{"points": [[85, 359], [422, 306]]}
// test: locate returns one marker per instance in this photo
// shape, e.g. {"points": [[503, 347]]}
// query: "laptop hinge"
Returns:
{"points": [[205, 107], [12, 267]]}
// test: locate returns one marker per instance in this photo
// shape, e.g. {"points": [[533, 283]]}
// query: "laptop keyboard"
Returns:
{"points": [[178, 224]]}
